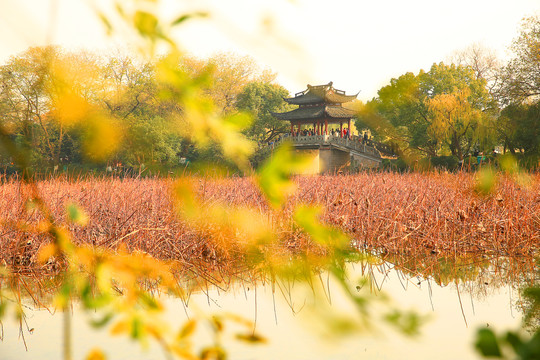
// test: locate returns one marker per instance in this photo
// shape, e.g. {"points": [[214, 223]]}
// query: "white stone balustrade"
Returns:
{"points": [[353, 144]]}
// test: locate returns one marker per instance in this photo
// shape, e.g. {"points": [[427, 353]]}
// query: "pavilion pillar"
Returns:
{"points": [[325, 126], [349, 128], [318, 128], [292, 129], [341, 129]]}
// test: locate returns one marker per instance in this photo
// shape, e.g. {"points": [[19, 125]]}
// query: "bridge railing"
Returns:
{"points": [[355, 143]]}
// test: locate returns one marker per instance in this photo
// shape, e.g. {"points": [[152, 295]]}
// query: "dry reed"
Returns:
{"points": [[387, 213]]}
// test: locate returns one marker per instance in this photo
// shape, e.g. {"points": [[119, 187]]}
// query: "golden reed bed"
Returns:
{"points": [[391, 214]]}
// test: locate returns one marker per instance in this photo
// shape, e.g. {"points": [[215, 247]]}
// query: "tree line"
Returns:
{"points": [[46, 90], [472, 104]]}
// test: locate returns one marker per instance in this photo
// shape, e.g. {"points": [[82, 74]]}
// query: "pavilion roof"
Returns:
{"points": [[316, 112], [320, 94]]}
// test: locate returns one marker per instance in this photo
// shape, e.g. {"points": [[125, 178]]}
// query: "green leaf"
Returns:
{"points": [[91, 300], [149, 301], [275, 176], [186, 17], [407, 322], [3, 306], [136, 328], [146, 24], [486, 181], [239, 121], [515, 341], [99, 323], [76, 215], [508, 164], [105, 21], [308, 218], [487, 343]]}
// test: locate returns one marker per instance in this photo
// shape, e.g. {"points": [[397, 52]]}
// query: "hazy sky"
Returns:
{"points": [[359, 45]]}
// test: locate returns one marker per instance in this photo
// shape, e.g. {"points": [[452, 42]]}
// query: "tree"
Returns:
{"points": [[45, 91], [454, 121], [228, 74], [484, 62], [150, 139], [445, 109], [521, 76], [25, 98], [128, 86], [519, 126], [261, 99]]}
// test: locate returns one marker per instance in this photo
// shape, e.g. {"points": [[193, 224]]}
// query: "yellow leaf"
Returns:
{"points": [[185, 198], [95, 354], [251, 338], [102, 137], [46, 252], [71, 108], [182, 352], [121, 327], [63, 239], [187, 329]]}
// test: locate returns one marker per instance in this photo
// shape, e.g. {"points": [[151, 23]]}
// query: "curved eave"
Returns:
{"points": [[316, 112], [339, 98]]}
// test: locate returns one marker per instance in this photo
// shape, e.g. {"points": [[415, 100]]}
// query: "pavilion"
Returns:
{"points": [[319, 106]]}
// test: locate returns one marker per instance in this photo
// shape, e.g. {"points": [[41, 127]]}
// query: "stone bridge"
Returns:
{"points": [[333, 154]]}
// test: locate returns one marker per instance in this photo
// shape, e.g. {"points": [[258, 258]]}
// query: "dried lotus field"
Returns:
{"points": [[434, 215]]}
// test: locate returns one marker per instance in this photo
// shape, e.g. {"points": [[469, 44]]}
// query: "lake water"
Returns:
{"points": [[293, 326]]}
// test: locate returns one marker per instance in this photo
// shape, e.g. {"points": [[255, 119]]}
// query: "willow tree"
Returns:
{"points": [[454, 121]]}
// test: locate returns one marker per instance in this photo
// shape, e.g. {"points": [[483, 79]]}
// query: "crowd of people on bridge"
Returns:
{"points": [[334, 132]]}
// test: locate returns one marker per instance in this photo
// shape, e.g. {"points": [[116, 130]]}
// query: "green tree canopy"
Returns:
{"points": [[519, 126], [261, 99], [447, 109]]}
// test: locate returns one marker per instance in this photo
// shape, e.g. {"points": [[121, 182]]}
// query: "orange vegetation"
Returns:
{"points": [[388, 213]]}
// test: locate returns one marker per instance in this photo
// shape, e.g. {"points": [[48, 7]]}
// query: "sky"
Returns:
{"points": [[359, 45]]}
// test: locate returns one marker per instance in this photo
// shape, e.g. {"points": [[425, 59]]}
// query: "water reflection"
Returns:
{"points": [[458, 296]]}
